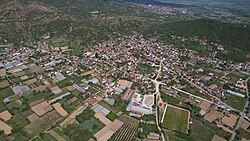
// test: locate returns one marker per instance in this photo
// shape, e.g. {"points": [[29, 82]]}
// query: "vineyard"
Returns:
{"points": [[126, 133]]}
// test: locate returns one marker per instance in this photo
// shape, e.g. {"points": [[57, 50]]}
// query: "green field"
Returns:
{"points": [[176, 119], [147, 128], [236, 102], [199, 131]]}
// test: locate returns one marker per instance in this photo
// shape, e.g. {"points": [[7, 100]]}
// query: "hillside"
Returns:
{"points": [[30, 20], [234, 37], [88, 22]]}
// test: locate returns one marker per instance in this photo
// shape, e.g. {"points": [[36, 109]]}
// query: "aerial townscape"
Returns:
{"points": [[123, 70]]}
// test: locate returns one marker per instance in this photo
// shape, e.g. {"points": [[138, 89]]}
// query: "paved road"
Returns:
{"points": [[242, 113]]}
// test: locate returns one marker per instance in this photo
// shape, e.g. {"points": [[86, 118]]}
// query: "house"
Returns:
{"points": [[94, 80], [58, 77], [235, 93], [20, 89], [80, 89], [125, 84], [110, 101], [204, 105], [25, 77], [100, 109], [141, 105], [55, 90], [59, 97]]}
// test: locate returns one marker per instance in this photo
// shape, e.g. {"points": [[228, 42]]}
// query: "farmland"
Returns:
{"points": [[126, 133], [176, 119], [236, 102]]}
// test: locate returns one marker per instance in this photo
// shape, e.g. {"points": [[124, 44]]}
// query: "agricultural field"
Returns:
{"points": [[170, 99], [195, 91], [199, 131], [235, 76], [176, 119], [125, 133], [146, 129], [37, 127], [128, 129], [144, 68], [236, 102]]}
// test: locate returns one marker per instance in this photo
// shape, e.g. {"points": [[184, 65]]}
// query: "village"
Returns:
{"points": [[129, 89]]}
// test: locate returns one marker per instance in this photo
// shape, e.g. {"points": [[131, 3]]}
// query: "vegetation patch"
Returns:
{"points": [[176, 119]]}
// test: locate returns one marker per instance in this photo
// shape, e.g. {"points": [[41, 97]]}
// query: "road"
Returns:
{"points": [[242, 113], [223, 104], [158, 98]]}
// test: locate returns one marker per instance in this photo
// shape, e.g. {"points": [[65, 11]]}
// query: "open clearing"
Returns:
{"points": [[176, 119]]}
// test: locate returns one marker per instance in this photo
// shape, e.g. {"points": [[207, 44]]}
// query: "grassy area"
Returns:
{"points": [[170, 99], [19, 120], [119, 104], [20, 137], [198, 132], [92, 90], [176, 119], [128, 119], [35, 128], [63, 83], [173, 136], [7, 92], [111, 116], [241, 133], [2, 105], [148, 117], [195, 91], [47, 137], [201, 132], [98, 125], [236, 102], [69, 107], [147, 128], [78, 79], [33, 96], [144, 68], [235, 76], [60, 132]]}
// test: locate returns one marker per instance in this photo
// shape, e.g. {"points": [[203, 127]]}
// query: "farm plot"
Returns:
{"points": [[125, 133], [176, 119], [37, 127], [128, 129]]}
